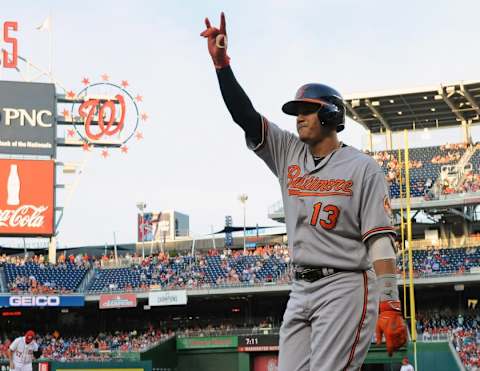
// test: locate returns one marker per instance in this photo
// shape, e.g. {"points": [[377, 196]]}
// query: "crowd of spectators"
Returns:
{"points": [[31, 285], [157, 270], [449, 154], [79, 260], [433, 260], [453, 154], [266, 326], [469, 183], [102, 347], [34, 274], [106, 346], [467, 344], [217, 267], [390, 162], [462, 328]]}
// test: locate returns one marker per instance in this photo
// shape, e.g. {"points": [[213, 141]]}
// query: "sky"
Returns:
{"points": [[193, 157]]}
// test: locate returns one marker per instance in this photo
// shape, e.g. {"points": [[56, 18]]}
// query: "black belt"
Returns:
{"points": [[311, 274]]}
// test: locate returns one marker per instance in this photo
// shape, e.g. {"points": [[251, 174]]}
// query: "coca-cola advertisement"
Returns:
{"points": [[26, 197]]}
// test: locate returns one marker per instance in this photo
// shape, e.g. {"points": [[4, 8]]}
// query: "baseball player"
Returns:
{"points": [[337, 214], [21, 352], [406, 366]]}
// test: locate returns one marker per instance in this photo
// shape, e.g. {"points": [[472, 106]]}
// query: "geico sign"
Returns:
{"points": [[33, 118], [34, 301]]}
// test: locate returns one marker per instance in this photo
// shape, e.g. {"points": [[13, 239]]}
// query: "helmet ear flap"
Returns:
{"points": [[332, 116]]}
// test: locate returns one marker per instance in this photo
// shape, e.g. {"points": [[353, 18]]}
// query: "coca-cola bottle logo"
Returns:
{"points": [[13, 186]]}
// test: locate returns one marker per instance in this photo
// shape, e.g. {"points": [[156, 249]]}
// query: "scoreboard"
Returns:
{"points": [[258, 343]]}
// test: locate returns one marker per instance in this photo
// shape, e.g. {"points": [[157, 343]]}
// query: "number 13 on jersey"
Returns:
{"points": [[331, 221]]}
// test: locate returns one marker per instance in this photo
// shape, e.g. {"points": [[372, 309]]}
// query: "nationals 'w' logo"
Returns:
{"points": [[88, 109], [309, 185], [103, 114]]}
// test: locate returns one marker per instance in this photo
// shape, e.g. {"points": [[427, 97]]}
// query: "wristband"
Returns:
{"points": [[387, 284]]}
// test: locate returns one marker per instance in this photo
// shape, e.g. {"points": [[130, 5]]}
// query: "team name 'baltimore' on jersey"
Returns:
{"points": [[331, 208]]}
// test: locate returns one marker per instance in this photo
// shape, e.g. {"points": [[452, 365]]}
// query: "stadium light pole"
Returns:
{"points": [[141, 207], [243, 200]]}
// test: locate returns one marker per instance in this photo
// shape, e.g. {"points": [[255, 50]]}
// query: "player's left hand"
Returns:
{"points": [[390, 323]]}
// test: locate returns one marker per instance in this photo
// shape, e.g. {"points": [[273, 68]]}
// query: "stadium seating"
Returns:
{"points": [[65, 277], [101, 347], [207, 270], [427, 168], [248, 268], [140, 276], [475, 161], [461, 328], [443, 261]]}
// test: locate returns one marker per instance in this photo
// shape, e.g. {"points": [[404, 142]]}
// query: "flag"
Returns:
{"points": [[46, 25]]}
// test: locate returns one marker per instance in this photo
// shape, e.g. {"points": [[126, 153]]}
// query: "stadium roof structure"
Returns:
{"points": [[240, 229], [442, 106]]}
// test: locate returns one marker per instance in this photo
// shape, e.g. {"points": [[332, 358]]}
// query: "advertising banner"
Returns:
{"points": [[154, 226], [109, 301], [26, 197], [42, 301], [164, 298], [207, 342], [27, 118], [267, 362]]}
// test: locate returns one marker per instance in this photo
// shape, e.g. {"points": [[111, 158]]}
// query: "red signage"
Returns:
{"points": [[267, 362], [110, 301], [10, 57], [16, 313], [43, 366], [88, 109], [26, 197]]}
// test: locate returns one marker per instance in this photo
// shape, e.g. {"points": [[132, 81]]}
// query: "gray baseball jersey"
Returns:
{"points": [[330, 208]]}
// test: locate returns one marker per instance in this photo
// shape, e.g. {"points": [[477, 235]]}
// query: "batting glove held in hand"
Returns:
{"points": [[390, 323], [217, 42]]}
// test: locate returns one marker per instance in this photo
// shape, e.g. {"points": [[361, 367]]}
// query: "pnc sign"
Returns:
{"points": [[14, 116], [26, 197], [27, 118]]}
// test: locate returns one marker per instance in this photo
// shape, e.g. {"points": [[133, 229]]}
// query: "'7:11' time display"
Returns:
{"points": [[9, 46]]}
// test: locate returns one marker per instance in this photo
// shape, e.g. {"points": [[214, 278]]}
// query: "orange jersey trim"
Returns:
{"points": [[362, 319], [378, 230]]}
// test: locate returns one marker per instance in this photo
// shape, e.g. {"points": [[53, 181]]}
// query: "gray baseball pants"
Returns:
{"points": [[328, 324]]}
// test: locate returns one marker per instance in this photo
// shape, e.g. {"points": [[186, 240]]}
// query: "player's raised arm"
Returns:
{"points": [[236, 100]]}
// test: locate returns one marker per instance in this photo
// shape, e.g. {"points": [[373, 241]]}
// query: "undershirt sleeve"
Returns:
{"points": [[240, 106]]}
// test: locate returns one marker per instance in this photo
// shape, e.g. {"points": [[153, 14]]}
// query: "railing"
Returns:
{"points": [[210, 286], [276, 208], [458, 169], [232, 331], [86, 280], [452, 243], [3, 282], [434, 337]]}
